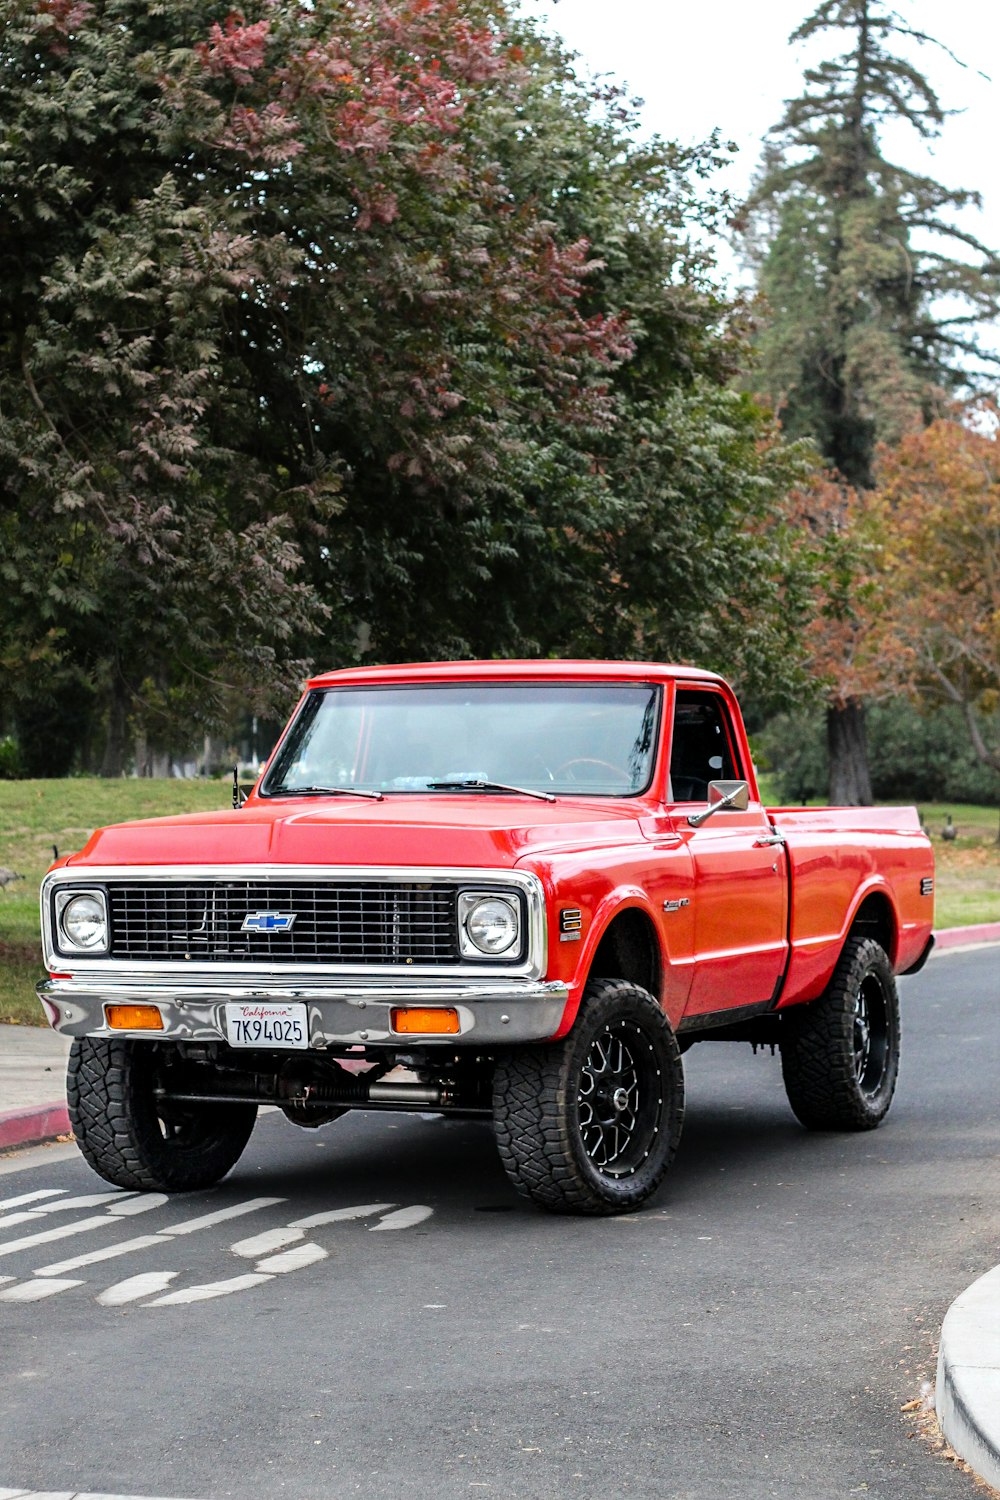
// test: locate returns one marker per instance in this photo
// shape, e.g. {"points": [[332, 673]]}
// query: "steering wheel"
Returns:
{"points": [[568, 766]]}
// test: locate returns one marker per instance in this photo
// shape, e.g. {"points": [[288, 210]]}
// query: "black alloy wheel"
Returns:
{"points": [[590, 1124], [840, 1054], [620, 1100]]}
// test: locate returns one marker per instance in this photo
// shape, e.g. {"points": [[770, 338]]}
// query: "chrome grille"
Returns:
{"points": [[336, 922]]}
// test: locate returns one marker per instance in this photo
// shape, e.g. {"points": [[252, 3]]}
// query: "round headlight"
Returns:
{"points": [[492, 925], [84, 922]]}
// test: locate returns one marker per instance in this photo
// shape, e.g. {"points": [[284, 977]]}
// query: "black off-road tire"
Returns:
{"points": [[840, 1054], [590, 1124], [135, 1141]]}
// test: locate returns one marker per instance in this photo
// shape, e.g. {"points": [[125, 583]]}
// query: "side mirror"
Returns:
{"points": [[723, 794]]}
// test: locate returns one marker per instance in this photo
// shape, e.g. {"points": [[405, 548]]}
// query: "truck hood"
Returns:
{"points": [[475, 830]]}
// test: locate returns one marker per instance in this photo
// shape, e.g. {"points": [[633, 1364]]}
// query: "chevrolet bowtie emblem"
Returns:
{"points": [[268, 921]]}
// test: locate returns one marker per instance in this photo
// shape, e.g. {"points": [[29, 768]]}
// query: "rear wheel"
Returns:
{"points": [[134, 1138], [590, 1124], [840, 1055]]}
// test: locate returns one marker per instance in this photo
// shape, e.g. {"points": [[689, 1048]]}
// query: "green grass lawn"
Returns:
{"points": [[35, 815]]}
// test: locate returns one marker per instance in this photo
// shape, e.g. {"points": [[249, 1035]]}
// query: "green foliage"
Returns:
{"points": [[11, 768], [874, 296], [352, 332], [915, 756]]}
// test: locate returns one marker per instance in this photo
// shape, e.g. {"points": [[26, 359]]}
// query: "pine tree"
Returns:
{"points": [[874, 295]]}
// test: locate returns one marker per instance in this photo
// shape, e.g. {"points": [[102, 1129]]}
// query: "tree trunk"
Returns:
{"points": [[847, 747], [113, 763]]}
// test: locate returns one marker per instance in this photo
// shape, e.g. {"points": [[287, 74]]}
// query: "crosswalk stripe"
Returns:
{"points": [[34, 1291], [262, 1244], [63, 1232], [143, 1241], [208, 1290], [65, 1495], [91, 1258], [6, 1203], [140, 1204], [30, 1215], [135, 1287], [188, 1226], [27, 1217], [294, 1259], [338, 1215], [88, 1200], [403, 1218]]}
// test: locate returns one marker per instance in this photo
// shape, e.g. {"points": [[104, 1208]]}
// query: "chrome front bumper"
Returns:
{"points": [[354, 1012]]}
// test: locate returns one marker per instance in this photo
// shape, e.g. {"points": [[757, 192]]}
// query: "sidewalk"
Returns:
{"points": [[33, 1110], [32, 1085]]}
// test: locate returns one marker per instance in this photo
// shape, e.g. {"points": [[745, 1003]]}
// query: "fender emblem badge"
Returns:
{"points": [[676, 905]]}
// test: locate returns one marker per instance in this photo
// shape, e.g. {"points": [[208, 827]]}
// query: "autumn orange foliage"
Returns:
{"points": [[938, 507], [836, 529]]}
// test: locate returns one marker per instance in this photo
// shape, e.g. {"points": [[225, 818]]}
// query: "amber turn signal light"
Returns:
{"points": [[440, 1019], [133, 1018]]}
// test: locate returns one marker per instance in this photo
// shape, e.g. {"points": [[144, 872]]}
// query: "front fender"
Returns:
{"points": [[609, 907]]}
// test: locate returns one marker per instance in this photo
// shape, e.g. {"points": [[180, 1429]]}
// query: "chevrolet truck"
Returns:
{"points": [[518, 890]]}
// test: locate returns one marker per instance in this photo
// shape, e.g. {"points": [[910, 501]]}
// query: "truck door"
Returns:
{"points": [[740, 895]]}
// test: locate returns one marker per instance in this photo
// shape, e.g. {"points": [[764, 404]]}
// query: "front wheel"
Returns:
{"points": [[138, 1140], [589, 1125], [840, 1054]]}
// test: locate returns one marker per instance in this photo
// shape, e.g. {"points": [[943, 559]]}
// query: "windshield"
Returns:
{"points": [[596, 739]]}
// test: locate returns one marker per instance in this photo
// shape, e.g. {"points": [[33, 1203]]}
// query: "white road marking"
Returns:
{"points": [[140, 1204], [27, 1217], [292, 1260], [110, 1252], [188, 1226], [6, 1203], [65, 1495], [135, 1287], [403, 1218], [274, 1251], [34, 1291], [337, 1215], [143, 1241], [271, 1239], [210, 1289], [46, 1235], [88, 1200]]}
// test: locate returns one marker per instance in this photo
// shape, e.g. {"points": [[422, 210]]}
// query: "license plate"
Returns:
{"points": [[256, 1023]]}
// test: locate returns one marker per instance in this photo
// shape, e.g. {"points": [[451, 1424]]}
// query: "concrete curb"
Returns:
{"points": [[968, 937], [968, 1377], [31, 1127]]}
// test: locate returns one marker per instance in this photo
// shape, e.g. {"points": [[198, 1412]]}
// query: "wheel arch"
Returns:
{"points": [[627, 946], [875, 916]]}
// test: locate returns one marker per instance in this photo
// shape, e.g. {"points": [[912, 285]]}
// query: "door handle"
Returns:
{"points": [[768, 840]]}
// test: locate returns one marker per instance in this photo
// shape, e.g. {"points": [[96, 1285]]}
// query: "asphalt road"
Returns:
{"points": [[753, 1333]]}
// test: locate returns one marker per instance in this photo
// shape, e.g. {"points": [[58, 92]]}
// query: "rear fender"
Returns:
{"points": [[811, 965]]}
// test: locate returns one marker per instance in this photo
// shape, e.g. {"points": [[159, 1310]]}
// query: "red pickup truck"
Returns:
{"points": [[505, 888]]}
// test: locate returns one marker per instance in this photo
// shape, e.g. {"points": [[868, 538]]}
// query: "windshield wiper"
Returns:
{"points": [[475, 785], [326, 791]]}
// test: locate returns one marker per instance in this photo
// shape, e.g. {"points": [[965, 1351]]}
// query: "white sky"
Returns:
{"points": [[727, 63]]}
